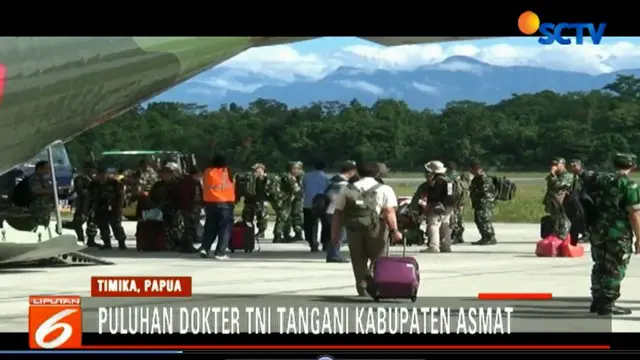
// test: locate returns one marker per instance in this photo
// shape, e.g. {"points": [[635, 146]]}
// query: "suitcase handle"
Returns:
{"points": [[404, 244]]}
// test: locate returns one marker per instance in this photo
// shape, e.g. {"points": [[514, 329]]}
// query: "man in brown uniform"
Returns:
{"points": [[367, 209]]}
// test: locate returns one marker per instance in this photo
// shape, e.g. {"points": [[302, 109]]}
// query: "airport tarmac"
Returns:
{"points": [[291, 270]]}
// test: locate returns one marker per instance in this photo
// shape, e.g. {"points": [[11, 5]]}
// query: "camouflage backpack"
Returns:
{"points": [[505, 188], [460, 189], [457, 191], [360, 210]]}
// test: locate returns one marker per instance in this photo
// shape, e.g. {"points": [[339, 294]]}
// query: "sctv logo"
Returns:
{"points": [[529, 24]]}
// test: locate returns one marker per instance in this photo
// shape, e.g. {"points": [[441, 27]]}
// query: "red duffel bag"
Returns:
{"points": [[549, 247]]}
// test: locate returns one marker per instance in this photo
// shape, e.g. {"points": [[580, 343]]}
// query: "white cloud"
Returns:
{"points": [[426, 88], [282, 64], [362, 85]]}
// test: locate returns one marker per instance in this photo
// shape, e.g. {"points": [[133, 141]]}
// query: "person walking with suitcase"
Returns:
{"points": [[219, 197], [368, 211]]}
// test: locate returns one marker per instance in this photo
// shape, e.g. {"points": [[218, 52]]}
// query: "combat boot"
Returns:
{"points": [[485, 242], [277, 239], [595, 306], [92, 243], [613, 310], [298, 236], [122, 245]]}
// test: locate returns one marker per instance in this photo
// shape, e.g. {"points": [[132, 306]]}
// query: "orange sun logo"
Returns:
{"points": [[528, 23]]}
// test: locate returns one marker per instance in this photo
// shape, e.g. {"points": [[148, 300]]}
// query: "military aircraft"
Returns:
{"points": [[54, 88]]}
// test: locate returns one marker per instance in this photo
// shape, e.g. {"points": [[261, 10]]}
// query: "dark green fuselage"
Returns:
{"points": [[55, 88]]}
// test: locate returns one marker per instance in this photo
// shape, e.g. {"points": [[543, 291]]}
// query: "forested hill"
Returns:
{"points": [[520, 133]]}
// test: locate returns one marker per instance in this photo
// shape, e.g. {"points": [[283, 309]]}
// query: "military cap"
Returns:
{"points": [[576, 162], [558, 160], [258, 166], [625, 159]]}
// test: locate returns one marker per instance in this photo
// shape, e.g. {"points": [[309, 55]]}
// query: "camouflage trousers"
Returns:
{"points": [[283, 218], [40, 210], [173, 228], [79, 220], [561, 223], [457, 225], [190, 221], [610, 260], [296, 218], [108, 222], [255, 209], [482, 217]]}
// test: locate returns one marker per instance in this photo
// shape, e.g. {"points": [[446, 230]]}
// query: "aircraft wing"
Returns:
{"points": [[396, 41]]}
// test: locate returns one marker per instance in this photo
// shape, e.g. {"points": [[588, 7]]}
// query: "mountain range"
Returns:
{"points": [[429, 86]]}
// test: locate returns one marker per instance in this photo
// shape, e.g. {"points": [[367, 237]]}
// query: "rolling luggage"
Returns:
{"points": [[243, 237], [546, 227], [395, 277], [151, 236]]}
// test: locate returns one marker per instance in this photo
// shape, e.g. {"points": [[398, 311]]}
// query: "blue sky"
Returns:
{"points": [[330, 44]]}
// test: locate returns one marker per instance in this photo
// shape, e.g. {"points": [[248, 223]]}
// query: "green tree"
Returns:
{"points": [[520, 133]]}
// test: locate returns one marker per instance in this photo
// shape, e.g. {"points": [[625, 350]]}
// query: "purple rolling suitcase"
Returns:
{"points": [[395, 277]]}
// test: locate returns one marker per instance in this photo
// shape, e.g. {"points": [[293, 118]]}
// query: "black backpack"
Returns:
{"points": [[505, 188], [320, 202], [21, 195]]}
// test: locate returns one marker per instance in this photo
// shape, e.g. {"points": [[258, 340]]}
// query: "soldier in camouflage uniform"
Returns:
{"points": [[577, 188], [107, 194], [483, 197], [559, 182], [457, 218], [296, 220], [189, 199], [41, 206], [163, 196], [287, 189], [618, 203], [255, 197], [417, 207], [82, 204]]}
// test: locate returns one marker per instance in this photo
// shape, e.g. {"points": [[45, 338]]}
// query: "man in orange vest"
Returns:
{"points": [[219, 196]]}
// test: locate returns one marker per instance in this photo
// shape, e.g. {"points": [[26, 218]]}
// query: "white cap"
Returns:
{"points": [[435, 166]]}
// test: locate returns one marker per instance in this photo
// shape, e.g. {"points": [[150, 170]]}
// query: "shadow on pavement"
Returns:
{"points": [[300, 255]]}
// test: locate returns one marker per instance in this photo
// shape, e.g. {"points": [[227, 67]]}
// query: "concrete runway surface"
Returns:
{"points": [[290, 269]]}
